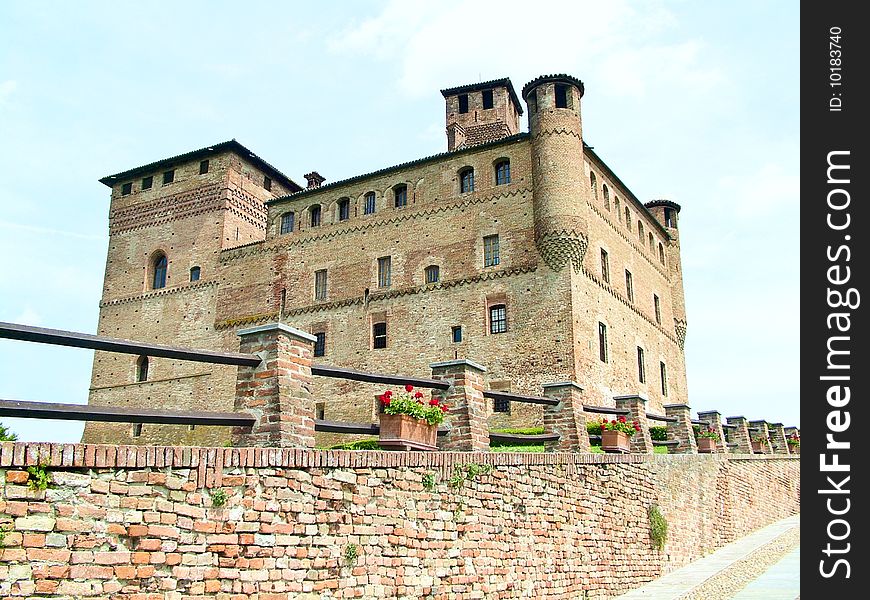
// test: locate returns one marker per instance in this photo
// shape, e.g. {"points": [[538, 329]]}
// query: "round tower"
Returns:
{"points": [[557, 169], [667, 213]]}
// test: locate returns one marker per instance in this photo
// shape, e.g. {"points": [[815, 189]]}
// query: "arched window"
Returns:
{"points": [[502, 172], [344, 209], [661, 253], [369, 200], [194, 273], [400, 195], [628, 218], [640, 231], [466, 180], [159, 279], [433, 274], [315, 215], [616, 207], [652, 243], [288, 221], [605, 191], [593, 184], [142, 368]]}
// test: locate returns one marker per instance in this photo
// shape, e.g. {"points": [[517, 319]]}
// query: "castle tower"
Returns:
{"points": [[481, 112], [666, 212], [561, 234]]}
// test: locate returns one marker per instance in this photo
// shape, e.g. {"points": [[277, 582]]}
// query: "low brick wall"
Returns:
{"points": [[134, 522]]}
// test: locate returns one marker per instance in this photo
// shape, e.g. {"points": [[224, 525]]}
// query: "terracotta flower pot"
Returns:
{"points": [[758, 447], [794, 449], [404, 432], [615, 441], [706, 445]]}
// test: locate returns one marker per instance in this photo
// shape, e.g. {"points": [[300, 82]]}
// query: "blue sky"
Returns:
{"points": [[692, 101]]}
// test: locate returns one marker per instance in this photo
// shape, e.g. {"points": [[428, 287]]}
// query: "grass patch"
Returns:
{"points": [[525, 448], [367, 444]]}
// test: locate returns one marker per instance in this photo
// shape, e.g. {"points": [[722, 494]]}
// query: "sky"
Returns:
{"points": [[696, 102]]}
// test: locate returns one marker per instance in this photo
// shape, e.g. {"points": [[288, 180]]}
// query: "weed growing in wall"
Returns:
{"points": [[429, 482], [351, 554], [39, 477], [219, 498], [658, 527]]}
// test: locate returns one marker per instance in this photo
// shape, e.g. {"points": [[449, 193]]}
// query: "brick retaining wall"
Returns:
{"points": [[135, 522]]}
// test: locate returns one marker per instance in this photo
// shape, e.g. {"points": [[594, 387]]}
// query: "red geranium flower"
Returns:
{"points": [[418, 395], [386, 401], [388, 393], [433, 402], [408, 387]]}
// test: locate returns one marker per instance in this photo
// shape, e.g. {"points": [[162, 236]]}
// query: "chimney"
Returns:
{"points": [[314, 179]]}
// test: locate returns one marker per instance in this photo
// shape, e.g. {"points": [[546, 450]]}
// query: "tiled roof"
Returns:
{"points": [[560, 77]]}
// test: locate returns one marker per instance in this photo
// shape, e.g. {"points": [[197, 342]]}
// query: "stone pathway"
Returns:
{"points": [[761, 566]]}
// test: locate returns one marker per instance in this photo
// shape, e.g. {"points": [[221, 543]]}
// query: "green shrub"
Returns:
{"points": [[6, 434], [659, 433], [519, 446], [369, 444], [658, 527], [429, 481], [520, 431]]}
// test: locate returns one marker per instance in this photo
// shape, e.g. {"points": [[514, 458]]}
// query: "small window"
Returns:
{"points": [[369, 203], [466, 180], [379, 335], [490, 251], [168, 176], [320, 411], [433, 274], [605, 191], [456, 333], [384, 268], [344, 209], [640, 231], [616, 208], [503, 172], [320, 284], [498, 318], [661, 253], [203, 167], [627, 218], [400, 195], [593, 184], [561, 96], [664, 373], [602, 342], [142, 368], [287, 222], [194, 273], [605, 266], [641, 366], [159, 279], [657, 307], [320, 344], [487, 99], [267, 183], [147, 182], [463, 103], [501, 405], [652, 243], [669, 218], [629, 286], [314, 212], [127, 188], [137, 429]]}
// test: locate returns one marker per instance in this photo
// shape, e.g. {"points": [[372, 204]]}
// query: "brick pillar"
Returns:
{"points": [[641, 442], [566, 418], [763, 431], [278, 390], [467, 426], [682, 429], [713, 419], [741, 434], [777, 435], [790, 431]]}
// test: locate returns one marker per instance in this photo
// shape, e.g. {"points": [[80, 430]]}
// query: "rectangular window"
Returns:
{"points": [[126, 188], [147, 182], [137, 429], [379, 335], [498, 318], [561, 96], [669, 219], [602, 342], [320, 284], [401, 195], [487, 99], [501, 405], [370, 204], [203, 167], [456, 333], [490, 251], [384, 268], [433, 274], [267, 183], [320, 344], [463, 103], [605, 266], [287, 222], [629, 287], [657, 305], [664, 372], [641, 367], [168, 176], [344, 210], [320, 411]]}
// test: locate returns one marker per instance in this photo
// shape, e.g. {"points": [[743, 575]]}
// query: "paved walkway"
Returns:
{"points": [[779, 582]]}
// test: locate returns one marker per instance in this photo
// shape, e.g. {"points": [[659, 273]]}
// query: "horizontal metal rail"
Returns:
{"points": [[605, 410], [699, 422], [668, 443], [729, 426], [59, 337], [356, 428], [493, 395], [661, 418], [539, 438], [731, 444], [113, 414], [342, 373]]}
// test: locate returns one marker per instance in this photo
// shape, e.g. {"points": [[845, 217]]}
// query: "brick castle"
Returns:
{"points": [[522, 251]]}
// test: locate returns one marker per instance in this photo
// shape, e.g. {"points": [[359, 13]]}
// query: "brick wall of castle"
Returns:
{"points": [[134, 522]]}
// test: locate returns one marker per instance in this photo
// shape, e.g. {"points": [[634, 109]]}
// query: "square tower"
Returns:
{"points": [[481, 112]]}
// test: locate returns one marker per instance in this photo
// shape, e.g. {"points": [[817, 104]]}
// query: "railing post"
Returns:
{"points": [[567, 418], [777, 435], [764, 432], [741, 434], [682, 429], [713, 419], [467, 426], [277, 392], [641, 442]]}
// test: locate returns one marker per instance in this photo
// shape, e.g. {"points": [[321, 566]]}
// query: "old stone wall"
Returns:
{"points": [[162, 522]]}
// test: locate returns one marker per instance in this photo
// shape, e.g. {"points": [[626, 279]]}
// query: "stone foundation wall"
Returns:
{"points": [[144, 522]]}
